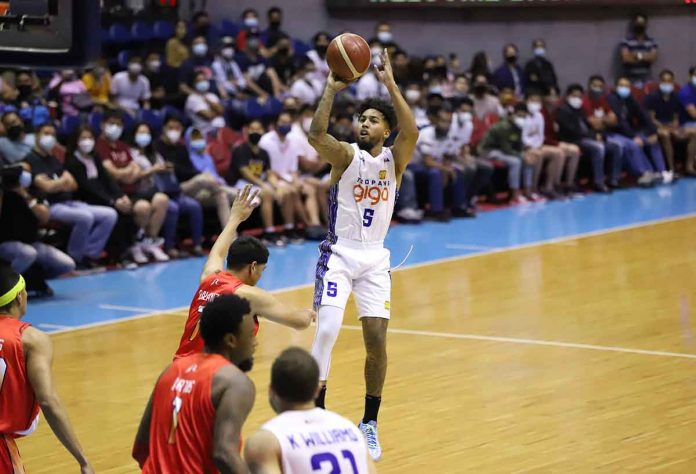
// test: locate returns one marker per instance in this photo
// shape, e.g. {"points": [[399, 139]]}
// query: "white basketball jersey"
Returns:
{"points": [[318, 441], [361, 204]]}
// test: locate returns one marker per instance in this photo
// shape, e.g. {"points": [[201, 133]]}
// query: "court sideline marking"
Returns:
{"points": [[155, 312]]}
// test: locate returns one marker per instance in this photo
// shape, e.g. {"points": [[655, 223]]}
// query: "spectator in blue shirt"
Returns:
{"points": [[510, 75], [664, 107], [200, 61], [687, 98], [638, 51], [17, 144]]}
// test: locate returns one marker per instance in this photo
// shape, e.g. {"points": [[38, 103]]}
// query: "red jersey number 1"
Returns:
{"points": [[3, 370]]}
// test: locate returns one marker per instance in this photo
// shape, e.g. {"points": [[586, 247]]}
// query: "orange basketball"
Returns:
{"points": [[348, 56]]}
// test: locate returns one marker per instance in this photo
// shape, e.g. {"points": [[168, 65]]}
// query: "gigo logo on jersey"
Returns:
{"points": [[372, 190]]}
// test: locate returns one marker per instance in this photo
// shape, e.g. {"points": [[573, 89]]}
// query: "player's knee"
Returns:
{"points": [[375, 334]]}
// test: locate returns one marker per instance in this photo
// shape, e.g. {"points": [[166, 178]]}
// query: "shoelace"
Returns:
{"points": [[371, 437]]}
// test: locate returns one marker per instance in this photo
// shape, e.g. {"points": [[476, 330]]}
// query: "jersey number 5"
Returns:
{"points": [[367, 217]]}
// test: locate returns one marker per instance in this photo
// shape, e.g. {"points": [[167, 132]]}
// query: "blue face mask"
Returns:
{"points": [[198, 145], [25, 179], [284, 129], [623, 91]]}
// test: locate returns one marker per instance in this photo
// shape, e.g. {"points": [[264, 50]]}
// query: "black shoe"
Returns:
{"points": [[438, 216], [294, 236], [466, 212], [315, 232], [601, 188], [273, 239], [552, 195]]}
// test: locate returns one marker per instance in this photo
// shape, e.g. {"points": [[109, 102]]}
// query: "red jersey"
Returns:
{"points": [[183, 417], [19, 411], [214, 285], [596, 107], [119, 154]]}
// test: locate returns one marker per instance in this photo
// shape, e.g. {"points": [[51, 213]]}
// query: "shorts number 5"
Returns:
{"points": [[331, 289]]}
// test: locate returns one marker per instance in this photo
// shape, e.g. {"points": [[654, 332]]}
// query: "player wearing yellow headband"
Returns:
{"points": [[26, 380]]}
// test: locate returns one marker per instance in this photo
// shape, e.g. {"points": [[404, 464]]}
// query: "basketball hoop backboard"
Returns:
{"points": [[49, 33]]}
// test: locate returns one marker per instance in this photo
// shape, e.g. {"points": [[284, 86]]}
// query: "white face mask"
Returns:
{"points": [[534, 107], [623, 91], [198, 145], [308, 76], [466, 117], [306, 123], [520, 122], [135, 68], [384, 36], [143, 139], [200, 49], [575, 102], [228, 53], [413, 95], [25, 179], [539, 52], [218, 122], [202, 86], [86, 145], [113, 131], [173, 135], [693, 80], [251, 22], [47, 142], [154, 65], [667, 87]]}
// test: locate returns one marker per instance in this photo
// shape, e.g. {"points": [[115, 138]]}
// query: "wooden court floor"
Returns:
{"points": [[507, 362]]}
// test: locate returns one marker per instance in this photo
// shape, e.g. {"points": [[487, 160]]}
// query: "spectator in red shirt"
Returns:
{"points": [[571, 151], [149, 205]]}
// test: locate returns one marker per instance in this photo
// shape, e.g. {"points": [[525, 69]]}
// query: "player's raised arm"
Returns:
{"points": [[233, 395], [268, 306], [406, 140], [39, 357], [242, 208], [338, 154], [263, 454]]}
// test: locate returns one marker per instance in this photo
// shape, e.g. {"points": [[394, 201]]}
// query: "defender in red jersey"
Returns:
{"points": [[26, 381], [193, 421], [246, 260]]}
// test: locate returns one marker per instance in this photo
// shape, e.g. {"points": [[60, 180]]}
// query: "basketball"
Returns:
{"points": [[348, 56]]}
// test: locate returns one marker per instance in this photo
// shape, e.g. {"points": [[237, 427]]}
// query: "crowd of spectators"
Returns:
{"points": [[112, 157]]}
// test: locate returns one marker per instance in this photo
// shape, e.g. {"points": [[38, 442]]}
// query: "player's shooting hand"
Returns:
{"points": [[245, 203], [385, 74], [336, 84]]}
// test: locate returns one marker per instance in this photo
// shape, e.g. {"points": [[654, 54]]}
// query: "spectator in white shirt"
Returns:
{"points": [[306, 87], [227, 73], [318, 56], [414, 99], [368, 85], [131, 89], [539, 154], [204, 107], [284, 152]]}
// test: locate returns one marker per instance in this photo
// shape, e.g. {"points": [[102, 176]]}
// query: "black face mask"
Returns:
{"points": [[202, 30], [639, 29], [24, 90], [14, 132], [283, 51], [321, 49], [254, 138], [274, 25], [440, 133], [480, 89], [511, 59]]}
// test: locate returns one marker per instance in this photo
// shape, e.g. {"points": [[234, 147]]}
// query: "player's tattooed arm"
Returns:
{"points": [[406, 140], [268, 306], [338, 154], [262, 453], [233, 395]]}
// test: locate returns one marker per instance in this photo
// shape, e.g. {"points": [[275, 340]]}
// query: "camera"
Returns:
{"points": [[9, 176]]}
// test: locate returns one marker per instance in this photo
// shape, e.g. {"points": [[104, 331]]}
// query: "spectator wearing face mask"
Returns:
{"points": [[503, 142], [90, 225], [251, 164], [538, 154], [485, 103], [21, 216], [510, 75], [131, 89], [413, 96], [368, 86], [638, 51], [385, 37], [460, 87], [687, 98], [274, 32], [203, 106], [637, 135], [574, 127], [176, 50], [157, 76], [228, 76], [200, 24], [17, 144], [30, 102], [317, 55], [261, 79], [664, 107], [149, 205], [98, 83], [539, 71], [66, 89], [250, 28], [159, 173], [305, 87], [200, 62], [282, 60]]}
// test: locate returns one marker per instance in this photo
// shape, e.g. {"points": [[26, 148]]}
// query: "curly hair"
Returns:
{"points": [[382, 106]]}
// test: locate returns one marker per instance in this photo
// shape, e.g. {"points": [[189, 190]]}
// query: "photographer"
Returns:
{"points": [[20, 218]]}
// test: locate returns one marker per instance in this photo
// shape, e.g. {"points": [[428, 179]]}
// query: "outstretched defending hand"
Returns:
{"points": [[244, 204]]}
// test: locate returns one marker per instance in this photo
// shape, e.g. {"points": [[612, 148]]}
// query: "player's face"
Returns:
{"points": [[256, 271], [372, 129], [242, 346]]}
